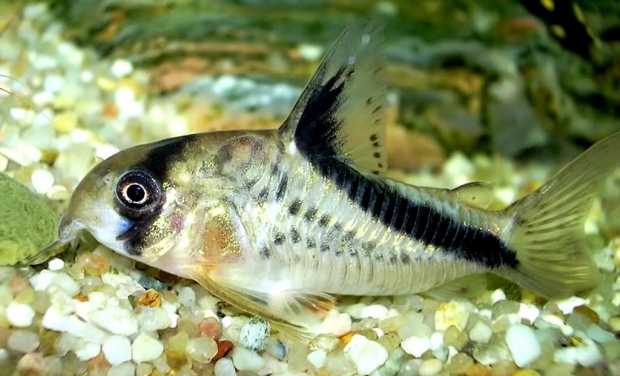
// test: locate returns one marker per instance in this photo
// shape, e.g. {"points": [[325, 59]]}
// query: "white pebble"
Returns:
{"points": [[116, 320], [375, 311], [121, 68], [187, 296], [246, 360], [436, 340], [23, 340], [161, 365], [224, 367], [42, 180], [336, 323], [567, 305], [498, 295], [430, 367], [24, 155], [48, 279], [117, 350], [152, 319], [55, 320], [523, 345], [144, 369], [317, 358], [125, 369], [355, 310], [55, 264], [451, 314], [87, 351], [367, 355], [146, 348], [20, 315], [481, 332], [588, 354], [255, 334], [277, 348], [416, 346], [529, 312], [226, 322]]}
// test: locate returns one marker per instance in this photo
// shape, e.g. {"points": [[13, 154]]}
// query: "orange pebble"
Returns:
{"points": [[588, 313], [150, 299], [93, 264], [223, 348], [347, 337]]}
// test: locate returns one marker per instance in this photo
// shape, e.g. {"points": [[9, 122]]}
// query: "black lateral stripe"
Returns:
{"points": [[364, 194], [421, 222], [316, 137]]}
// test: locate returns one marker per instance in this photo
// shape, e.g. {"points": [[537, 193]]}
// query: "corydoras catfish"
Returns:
{"points": [[277, 222]]}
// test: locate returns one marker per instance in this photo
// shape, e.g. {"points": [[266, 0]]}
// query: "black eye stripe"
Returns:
{"points": [[137, 191]]}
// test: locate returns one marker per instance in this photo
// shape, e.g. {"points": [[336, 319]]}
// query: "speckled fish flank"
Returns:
{"points": [[278, 222]]}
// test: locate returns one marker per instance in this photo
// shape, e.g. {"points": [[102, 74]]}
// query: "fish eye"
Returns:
{"points": [[138, 190]]}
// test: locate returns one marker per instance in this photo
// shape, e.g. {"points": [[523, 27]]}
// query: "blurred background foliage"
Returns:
{"points": [[524, 78]]}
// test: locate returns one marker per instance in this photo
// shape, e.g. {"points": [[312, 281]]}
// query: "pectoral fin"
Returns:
{"points": [[297, 314]]}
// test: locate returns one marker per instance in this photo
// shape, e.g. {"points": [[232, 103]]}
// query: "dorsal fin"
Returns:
{"points": [[341, 113]]}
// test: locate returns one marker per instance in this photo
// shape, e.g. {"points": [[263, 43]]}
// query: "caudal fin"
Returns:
{"points": [[548, 226]]}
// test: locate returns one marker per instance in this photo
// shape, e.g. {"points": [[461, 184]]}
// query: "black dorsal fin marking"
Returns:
{"points": [[341, 113]]}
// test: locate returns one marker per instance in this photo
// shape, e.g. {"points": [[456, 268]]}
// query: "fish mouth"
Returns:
{"points": [[68, 229]]}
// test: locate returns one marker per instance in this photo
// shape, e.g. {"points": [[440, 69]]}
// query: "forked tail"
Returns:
{"points": [[548, 225]]}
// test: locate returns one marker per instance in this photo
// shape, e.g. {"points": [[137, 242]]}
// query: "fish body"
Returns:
{"points": [[277, 222]]}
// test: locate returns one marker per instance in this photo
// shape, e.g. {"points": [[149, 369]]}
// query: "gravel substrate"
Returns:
{"points": [[101, 314]]}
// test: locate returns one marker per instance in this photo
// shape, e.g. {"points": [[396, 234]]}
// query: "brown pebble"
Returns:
{"points": [[98, 363], [81, 298], [210, 327], [170, 296], [223, 348], [526, 372], [478, 369], [150, 299], [48, 338], [18, 285], [576, 341], [5, 333], [31, 364], [588, 313]]}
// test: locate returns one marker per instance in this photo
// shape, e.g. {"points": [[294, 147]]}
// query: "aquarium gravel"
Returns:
{"points": [[97, 313]]}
